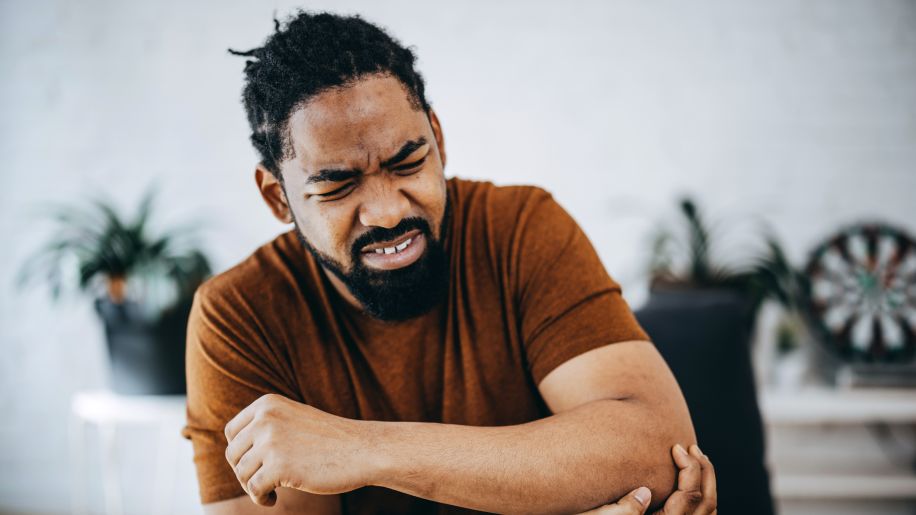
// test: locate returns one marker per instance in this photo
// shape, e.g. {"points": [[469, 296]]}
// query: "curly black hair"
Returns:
{"points": [[309, 54]]}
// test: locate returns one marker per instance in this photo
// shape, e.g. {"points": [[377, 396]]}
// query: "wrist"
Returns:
{"points": [[376, 456]]}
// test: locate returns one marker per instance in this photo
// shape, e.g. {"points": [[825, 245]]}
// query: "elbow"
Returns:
{"points": [[651, 453], [647, 463], [661, 469], [637, 450], [660, 477], [654, 467]]}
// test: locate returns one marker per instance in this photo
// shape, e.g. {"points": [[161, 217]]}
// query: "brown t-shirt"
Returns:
{"points": [[527, 292]]}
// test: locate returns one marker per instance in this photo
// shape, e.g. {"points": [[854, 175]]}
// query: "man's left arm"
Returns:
{"points": [[617, 412]]}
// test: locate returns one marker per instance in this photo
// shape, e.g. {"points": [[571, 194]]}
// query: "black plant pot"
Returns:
{"points": [[147, 356], [704, 335]]}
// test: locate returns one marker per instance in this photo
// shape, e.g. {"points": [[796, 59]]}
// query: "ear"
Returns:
{"points": [[273, 194], [437, 132]]}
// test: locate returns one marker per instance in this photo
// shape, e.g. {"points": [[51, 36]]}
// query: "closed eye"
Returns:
{"points": [[338, 191], [410, 167]]}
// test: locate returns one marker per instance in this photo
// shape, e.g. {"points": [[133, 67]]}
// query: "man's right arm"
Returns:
{"points": [[227, 369], [289, 502]]}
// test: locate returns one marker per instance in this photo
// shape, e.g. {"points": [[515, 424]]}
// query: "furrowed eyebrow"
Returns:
{"points": [[332, 175], [342, 174], [405, 151]]}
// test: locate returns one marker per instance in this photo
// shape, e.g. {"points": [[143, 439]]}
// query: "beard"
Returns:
{"points": [[393, 295]]}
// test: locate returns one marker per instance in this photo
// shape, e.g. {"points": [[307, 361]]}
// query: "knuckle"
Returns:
{"points": [[693, 497], [268, 411], [709, 464], [252, 487], [268, 399]]}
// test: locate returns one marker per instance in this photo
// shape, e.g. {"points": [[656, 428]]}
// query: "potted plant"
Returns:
{"points": [[142, 285]]}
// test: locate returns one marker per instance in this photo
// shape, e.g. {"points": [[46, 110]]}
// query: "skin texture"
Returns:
{"points": [[617, 409]]}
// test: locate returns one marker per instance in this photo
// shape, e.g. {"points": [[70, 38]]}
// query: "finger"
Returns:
{"points": [[246, 468], [690, 476], [689, 482], [710, 496], [239, 445], [261, 488], [238, 422], [634, 503]]}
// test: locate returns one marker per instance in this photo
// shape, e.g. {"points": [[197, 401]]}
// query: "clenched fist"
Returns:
{"points": [[277, 442]]}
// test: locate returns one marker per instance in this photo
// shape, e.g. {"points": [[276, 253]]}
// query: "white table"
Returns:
{"points": [[107, 410], [823, 405], [817, 405]]}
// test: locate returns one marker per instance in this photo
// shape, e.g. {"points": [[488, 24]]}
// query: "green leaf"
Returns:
{"points": [[105, 245]]}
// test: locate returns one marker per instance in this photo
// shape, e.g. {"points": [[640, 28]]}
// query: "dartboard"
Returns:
{"points": [[862, 298]]}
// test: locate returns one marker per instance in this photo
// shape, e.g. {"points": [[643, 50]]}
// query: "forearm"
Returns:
{"points": [[564, 463]]}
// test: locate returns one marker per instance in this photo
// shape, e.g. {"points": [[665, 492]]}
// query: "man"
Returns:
{"points": [[415, 344]]}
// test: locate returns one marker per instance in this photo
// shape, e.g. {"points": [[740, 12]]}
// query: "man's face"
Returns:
{"points": [[367, 193]]}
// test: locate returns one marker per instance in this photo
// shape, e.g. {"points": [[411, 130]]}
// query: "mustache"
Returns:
{"points": [[380, 234]]}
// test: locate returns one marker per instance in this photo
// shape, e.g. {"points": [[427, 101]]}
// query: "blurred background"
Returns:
{"points": [[746, 170]]}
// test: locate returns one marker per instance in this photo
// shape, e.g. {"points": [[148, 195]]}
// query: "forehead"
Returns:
{"points": [[372, 117]]}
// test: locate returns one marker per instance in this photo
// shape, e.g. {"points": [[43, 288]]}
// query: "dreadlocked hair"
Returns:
{"points": [[313, 53]]}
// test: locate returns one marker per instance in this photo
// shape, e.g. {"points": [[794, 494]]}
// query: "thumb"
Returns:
{"points": [[637, 500], [634, 503]]}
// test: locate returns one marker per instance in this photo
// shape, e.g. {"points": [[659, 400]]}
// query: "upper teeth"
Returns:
{"points": [[396, 248]]}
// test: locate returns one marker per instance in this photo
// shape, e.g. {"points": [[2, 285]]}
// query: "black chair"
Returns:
{"points": [[704, 336]]}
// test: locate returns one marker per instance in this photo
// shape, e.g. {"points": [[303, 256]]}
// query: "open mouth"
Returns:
{"points": [[394, 246], [396, 253]]}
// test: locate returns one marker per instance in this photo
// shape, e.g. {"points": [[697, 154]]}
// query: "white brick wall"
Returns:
{"points": [[802, 112]]}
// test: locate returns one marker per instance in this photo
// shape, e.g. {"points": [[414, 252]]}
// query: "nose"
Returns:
{"points": [[384, 206]]}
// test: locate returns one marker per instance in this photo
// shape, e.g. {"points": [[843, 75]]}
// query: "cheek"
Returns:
{"points": [[327, 232], [432, 199]]}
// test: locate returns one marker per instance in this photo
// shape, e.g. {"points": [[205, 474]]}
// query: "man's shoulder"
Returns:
{"points": [[500, 204], [266, 272], [498, 224], [513, 220], [507, 194]]}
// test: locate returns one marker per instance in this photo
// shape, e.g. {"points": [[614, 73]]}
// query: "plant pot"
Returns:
{"points": [[704, 335], [147, 355]]}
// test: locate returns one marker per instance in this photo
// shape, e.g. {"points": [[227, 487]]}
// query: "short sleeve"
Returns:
{"points": [[568, 304], [226, 371]]}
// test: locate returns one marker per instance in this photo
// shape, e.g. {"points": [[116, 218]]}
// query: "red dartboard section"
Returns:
{"points": [[862, 298]]}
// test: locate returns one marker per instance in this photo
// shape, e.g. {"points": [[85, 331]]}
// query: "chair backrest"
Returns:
{"points": [[704, 337]]}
